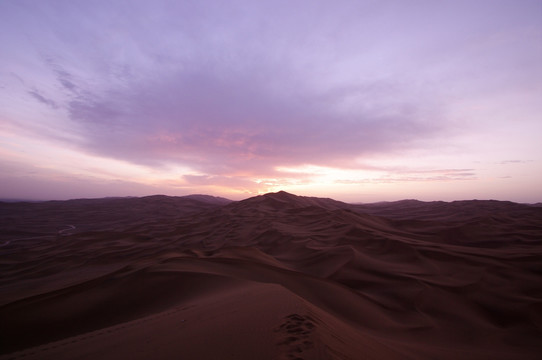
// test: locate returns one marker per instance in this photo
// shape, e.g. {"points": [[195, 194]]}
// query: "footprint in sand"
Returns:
{"points": [[295, 335]]}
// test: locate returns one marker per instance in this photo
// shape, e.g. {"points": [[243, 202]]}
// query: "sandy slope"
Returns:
{"points": [[271, 277]]}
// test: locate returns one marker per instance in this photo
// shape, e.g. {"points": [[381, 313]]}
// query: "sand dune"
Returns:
{"points": [[276, 276]]}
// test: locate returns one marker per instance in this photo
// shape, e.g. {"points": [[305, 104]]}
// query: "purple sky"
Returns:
{"points": [[356, 100]]}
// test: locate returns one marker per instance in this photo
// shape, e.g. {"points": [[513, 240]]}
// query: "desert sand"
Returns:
{"points": [[276, 276]]}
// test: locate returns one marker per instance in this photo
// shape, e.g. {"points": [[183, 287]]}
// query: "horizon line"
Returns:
{"points": [[29, 200]]}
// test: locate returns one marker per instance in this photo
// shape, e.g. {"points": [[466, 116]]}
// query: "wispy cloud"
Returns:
{"points": [[41, 98], [506, 162], [443, 175]]}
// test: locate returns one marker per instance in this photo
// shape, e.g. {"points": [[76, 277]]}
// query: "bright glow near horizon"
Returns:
{"points": [[356, 100]]}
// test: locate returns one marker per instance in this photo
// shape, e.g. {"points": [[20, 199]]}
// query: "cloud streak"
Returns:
{"points": [[41, 98]]}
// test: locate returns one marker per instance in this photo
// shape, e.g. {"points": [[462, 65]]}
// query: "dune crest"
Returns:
{"points": [[277, 276]]}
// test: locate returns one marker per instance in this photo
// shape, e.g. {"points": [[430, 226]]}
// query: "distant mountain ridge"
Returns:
{"points": [[463, 216], [279, 197]]}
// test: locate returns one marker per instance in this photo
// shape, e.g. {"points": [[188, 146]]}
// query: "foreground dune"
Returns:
{"points": [[272, 277]]}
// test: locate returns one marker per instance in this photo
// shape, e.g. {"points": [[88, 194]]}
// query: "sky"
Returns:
{"points": [[360, 101]]}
